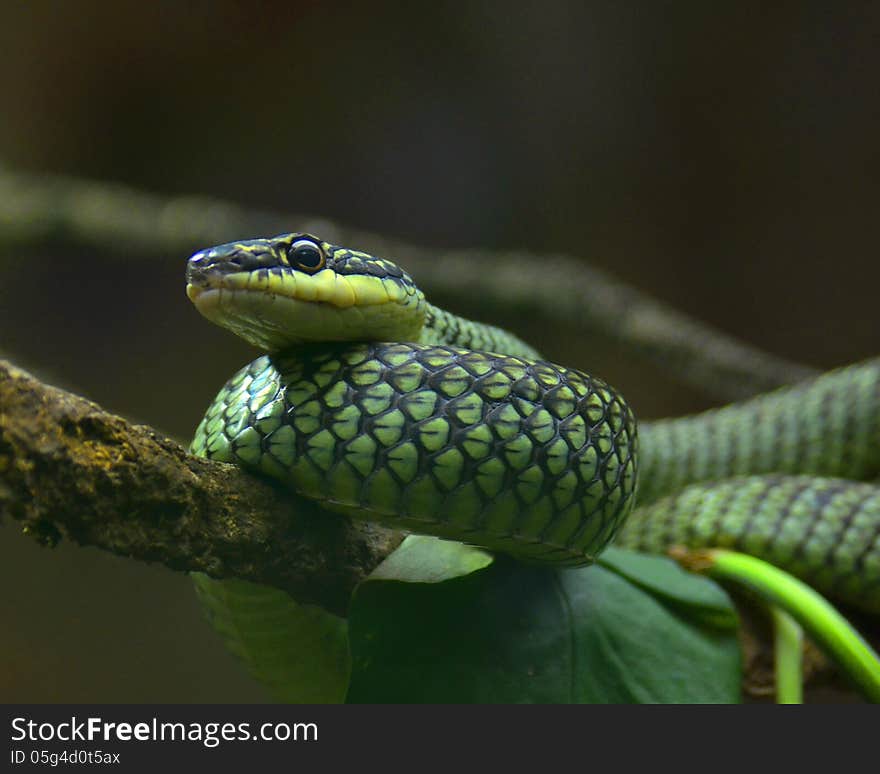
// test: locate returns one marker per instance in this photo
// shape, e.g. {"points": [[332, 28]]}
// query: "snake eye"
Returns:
{"points": [[306, 255]]}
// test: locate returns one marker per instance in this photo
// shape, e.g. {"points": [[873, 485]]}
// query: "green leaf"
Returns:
{"points": [[487, 636], [696, 596], [299, 652], [425, 559], [505, 632], [636, 648]]}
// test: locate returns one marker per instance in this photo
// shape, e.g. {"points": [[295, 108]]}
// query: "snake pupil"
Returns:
{"points": [[306, 255]]}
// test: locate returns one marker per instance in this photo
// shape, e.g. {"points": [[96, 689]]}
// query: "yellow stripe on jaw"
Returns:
{"points": [[326, 286], [273, 321], [368, 291]]}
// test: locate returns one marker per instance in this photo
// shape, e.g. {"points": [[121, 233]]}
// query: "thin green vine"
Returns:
{"points": [[820, 620]]}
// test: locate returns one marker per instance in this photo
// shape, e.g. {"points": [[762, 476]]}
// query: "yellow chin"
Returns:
{"points": [[272, 319], [326, 287]]}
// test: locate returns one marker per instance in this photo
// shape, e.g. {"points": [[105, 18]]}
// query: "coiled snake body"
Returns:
{"points": [[379, 405]]}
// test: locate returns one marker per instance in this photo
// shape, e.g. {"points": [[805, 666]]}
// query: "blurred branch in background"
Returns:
{"points": [[555, 288], [70, 469]]}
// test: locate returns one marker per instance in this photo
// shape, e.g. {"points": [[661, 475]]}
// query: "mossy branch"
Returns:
{"points": [[70, 469]]}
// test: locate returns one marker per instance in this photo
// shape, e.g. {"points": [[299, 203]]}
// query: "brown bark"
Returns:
{"points": [[70, 469]]}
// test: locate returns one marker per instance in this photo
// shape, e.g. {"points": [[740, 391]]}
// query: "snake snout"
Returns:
{"points": [[205, 265]]}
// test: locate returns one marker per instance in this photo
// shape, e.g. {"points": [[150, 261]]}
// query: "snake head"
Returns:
{"points": [[296, 288]]}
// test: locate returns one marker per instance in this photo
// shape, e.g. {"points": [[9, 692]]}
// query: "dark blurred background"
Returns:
{"points": [[722, 156]]}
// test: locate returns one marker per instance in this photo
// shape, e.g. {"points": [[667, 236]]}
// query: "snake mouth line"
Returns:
{"points": [[273, 320], [326, 287], [258, 315]]}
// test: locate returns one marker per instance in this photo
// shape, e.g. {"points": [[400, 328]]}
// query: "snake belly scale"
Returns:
{"points": [[376, 404]]}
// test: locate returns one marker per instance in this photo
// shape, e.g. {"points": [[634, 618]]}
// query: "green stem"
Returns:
{"points": [[788, 643], [826, 627]]}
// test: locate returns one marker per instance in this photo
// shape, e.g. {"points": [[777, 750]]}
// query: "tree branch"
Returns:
{"points": [[70, 469], [562, 290]]}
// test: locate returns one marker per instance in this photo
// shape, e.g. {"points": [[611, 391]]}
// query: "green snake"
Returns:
{"points": [[376, 404]]}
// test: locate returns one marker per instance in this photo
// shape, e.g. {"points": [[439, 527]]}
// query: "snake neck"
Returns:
{"points": [[442, 327]]}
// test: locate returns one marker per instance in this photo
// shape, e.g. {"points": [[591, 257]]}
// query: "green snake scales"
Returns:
{"points": [[379, 405]]}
